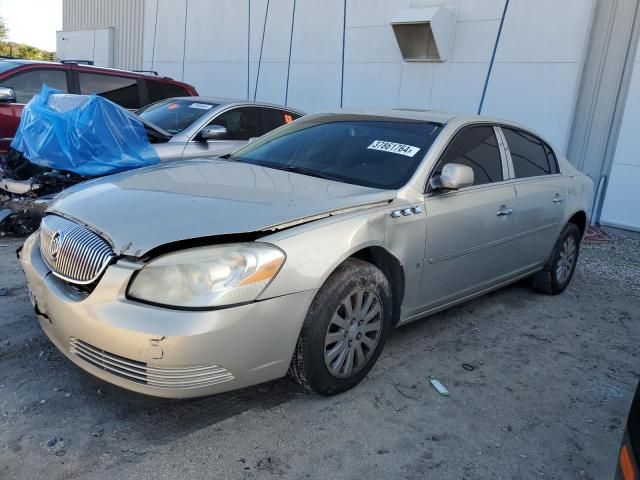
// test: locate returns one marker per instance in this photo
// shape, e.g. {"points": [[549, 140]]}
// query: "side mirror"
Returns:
{"points": [[213, 132], [7, 95], [453, 177]]}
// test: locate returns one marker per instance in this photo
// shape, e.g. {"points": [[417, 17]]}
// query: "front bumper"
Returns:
{"points": [[159, 351]]}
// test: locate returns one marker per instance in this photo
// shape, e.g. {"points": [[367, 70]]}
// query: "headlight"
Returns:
{"points": [[204, 277]]}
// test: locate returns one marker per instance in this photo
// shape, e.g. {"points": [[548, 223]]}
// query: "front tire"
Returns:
{"points": [[345, 329], [558, 273]]}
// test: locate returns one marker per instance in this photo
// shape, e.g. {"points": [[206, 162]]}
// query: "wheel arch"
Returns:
{"points": [[391, 268], [579, 219]]}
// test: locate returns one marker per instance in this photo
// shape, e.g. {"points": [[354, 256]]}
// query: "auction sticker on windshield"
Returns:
{"points": [[399, 148], [201, 106]]}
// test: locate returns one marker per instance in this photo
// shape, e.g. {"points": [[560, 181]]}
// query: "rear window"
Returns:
{"points": [[175, 115], [120, 90], [159, 90], [531, 157], [373, 153]]}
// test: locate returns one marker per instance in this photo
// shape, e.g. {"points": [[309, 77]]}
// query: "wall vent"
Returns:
{"points": [[424, 34]]}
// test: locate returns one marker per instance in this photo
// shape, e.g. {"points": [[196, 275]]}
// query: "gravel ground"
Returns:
{"points": [[545, 394]]}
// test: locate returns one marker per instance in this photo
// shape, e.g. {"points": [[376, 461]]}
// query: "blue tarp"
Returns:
{"points": [[84, 134]]}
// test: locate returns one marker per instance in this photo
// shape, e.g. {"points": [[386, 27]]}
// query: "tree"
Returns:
{"points": [[29, 52], [19, 50], [4, 30]]}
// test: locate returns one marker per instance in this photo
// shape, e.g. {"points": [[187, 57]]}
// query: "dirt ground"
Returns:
{"points": [[544, 395]]}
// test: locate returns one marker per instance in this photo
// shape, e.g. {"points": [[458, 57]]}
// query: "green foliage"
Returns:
{"points": [[20, 50], [4, 31]]}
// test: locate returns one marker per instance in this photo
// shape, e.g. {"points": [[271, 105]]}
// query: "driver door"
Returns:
{"points": [[469, 231], [242, 124]]}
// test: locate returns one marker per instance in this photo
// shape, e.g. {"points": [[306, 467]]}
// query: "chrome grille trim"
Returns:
{"points": [[139, 372], [72, 251]]}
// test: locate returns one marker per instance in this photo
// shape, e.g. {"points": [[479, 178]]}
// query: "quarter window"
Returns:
{"points": [[475, 147], [531, 157], [241, 123], [160, 90], [120, 90], [274, 118], [27, 84]]}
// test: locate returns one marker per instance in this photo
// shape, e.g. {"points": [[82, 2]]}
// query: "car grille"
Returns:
{"points": [[72, 251], [139, 372]]}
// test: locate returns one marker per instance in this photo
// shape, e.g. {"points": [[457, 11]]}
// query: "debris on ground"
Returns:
{"points": [[596, 234], [439, 387]]}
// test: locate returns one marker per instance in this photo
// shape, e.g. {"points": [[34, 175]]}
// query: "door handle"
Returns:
{"points": [[558, 198], [504, 212]]}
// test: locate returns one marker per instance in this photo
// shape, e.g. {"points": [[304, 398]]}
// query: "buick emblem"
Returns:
{"points": [[55, 245]]}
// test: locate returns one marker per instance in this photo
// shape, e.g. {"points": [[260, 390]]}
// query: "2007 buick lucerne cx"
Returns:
{"points": [[300, 251]]}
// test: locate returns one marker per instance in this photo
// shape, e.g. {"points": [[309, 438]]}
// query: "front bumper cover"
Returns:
{"points": [[159, 351]]}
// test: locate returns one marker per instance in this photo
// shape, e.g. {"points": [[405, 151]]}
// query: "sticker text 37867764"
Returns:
{"points": [[392, 147]]}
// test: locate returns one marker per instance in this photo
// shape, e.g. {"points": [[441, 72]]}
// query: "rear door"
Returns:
{"points": [[26, 83], [541, 193], [468, 245], [242, 124]]}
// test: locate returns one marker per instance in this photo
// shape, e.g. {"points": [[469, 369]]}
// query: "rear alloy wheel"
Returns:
{"points": [[344, 330], [562, 265]]}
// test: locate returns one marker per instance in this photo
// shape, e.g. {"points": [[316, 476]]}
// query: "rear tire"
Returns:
{"points": [[345, 329], [559, 271]]}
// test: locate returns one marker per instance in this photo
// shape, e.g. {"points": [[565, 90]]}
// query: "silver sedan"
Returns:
{"points": [[196, 127], [299, 252]]}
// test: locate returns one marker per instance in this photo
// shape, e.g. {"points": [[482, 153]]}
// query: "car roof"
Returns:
{"points": [[17, 62], [24, 61], [455, 120], [228, 102], [400, 113], [432, 116]]}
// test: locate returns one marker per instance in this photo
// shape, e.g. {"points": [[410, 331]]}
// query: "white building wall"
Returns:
{"points": [[125, 17], [535, 79], [622, 202]]}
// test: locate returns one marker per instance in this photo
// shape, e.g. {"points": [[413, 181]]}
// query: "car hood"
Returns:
{"points": [[145, 208]]}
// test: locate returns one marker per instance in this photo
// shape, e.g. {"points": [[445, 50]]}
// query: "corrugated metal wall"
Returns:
{"points": [[126, 17]]}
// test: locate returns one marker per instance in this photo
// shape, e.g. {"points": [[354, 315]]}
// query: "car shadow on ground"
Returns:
{"points": [[159, 421]]}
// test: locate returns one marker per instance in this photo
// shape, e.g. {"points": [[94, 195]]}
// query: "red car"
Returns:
{"points": [[25, 77]]}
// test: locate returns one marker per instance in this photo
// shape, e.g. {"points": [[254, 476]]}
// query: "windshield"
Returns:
{"points": [[175, 115], [375, 152]]}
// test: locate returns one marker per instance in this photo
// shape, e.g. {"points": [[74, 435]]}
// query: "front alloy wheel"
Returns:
{"points": [[353, 333], [344, 330]]}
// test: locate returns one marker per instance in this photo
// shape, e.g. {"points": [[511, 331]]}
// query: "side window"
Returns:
{"points": [[27, 84], [160, 90], [475, 147], [274, 118], [241, 123], [120, 90], [553, 160], [530, 156]]}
